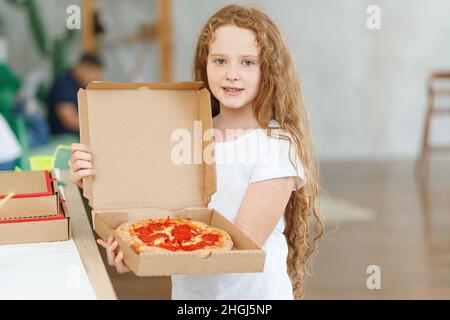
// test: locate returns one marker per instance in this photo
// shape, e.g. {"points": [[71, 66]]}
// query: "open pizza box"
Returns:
{"points": [[130, 128], [31, 208]]}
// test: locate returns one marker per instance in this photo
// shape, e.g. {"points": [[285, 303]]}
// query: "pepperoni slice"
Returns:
{"points": [[150, 239], [169, 246], [149, 228], [196, 246], [182, 236], [182, 233], [155, 227], [210, 238]]}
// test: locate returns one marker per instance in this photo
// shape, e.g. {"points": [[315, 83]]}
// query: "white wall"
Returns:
{"points": [[365, 89]]}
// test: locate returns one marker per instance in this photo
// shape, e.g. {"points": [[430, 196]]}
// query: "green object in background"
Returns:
{"points": [[62, 158], [9, 84], [41, 163], [20, 127], [45, 162], [37, 27], [56, 51], [8, 78]]}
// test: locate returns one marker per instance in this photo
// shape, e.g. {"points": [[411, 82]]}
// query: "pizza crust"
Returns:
{"points": [[124, 233]]}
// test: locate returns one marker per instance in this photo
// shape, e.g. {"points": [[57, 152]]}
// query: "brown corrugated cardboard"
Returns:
{"points": [[246, 256], [32, 216], [130, 131], [34, 231], [29, 207], [25, 183], [129, 128], [33, 194]]}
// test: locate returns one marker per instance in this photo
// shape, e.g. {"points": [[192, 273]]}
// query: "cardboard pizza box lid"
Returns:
{"points": [[25, 184], [129, 127]]}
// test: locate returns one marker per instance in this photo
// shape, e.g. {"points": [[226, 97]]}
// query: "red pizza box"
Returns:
{"points": [[36, 212], [130, 128]]}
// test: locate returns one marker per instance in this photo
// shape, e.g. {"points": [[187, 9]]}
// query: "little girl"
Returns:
{"points": [[272, 192]]}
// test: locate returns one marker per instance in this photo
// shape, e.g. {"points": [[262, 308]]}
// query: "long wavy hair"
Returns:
{"points": [[279, 98]]}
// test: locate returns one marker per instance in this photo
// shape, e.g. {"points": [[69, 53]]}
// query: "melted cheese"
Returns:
{"points": [[168, 231], [158, 241], [194, 240]]}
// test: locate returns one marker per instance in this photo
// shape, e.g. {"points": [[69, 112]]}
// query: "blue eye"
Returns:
{"points": [[248, 62], [219, 61]]}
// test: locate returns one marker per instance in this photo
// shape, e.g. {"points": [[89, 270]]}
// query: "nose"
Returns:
{"points": [[232, 72]]}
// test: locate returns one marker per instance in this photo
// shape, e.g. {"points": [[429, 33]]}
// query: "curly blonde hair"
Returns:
{"points": [[279, 98]]}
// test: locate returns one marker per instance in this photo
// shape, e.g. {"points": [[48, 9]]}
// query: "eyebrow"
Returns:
{"points": [[242, 56]]}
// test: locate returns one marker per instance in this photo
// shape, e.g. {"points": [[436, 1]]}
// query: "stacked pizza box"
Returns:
{"points": [[134, 130], [31, 208]]}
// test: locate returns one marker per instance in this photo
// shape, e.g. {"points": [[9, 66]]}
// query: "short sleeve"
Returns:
{"points": [[276, 159], [63, 91]]}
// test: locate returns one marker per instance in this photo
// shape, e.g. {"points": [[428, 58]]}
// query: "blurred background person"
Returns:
{"points": [[62, 97]]}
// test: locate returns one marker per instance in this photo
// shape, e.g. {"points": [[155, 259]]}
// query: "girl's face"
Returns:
{"points": [[233, 69]]}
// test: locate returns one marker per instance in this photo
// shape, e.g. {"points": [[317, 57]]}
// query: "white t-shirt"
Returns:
{"points": [[9, 147], [253, 157]]}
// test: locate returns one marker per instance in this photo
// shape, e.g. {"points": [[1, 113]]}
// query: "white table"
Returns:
{"points": [[49, 270], [70, 269]]}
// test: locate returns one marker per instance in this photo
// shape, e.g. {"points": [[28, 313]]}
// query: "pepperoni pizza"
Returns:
{"points": [[173, 235]]}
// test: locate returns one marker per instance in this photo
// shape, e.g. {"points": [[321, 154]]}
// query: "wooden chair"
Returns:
{"points": [[438, 105]]}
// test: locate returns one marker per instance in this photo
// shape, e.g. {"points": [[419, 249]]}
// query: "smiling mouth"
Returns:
{"points": [[232, 91]]}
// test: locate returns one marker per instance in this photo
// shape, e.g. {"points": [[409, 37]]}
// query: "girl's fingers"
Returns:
{"points": [[120, 265], [80, 147], [81, 164], [80, 169], [114, 259], [106, 243], [101, 242], [80, 174], [81, 155], [77, 177], [110, 252]]}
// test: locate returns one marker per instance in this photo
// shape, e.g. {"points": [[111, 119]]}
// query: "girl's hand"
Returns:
{"points": [[80, 163], [114, 259]]}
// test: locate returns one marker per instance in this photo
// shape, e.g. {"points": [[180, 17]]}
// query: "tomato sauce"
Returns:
{"points": [[182, 235]]}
